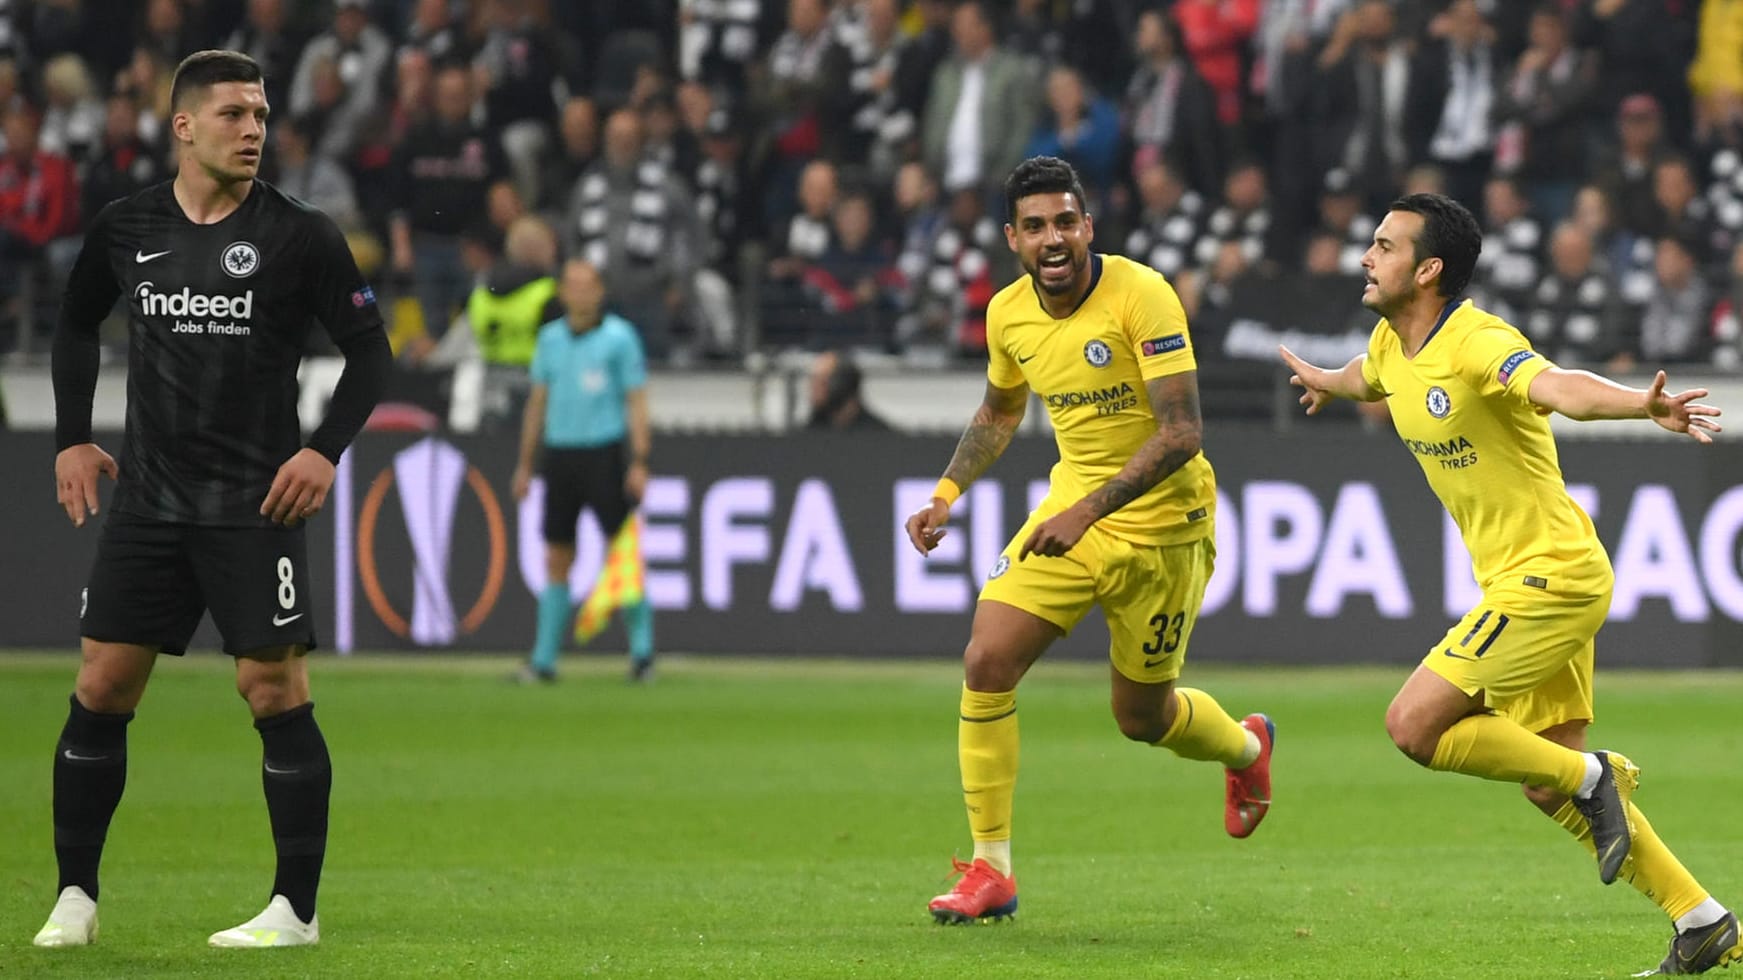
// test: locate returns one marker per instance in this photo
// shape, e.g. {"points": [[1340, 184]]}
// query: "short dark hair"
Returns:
{"points": [[1042, 175], [1450, 233], [203, 69]]}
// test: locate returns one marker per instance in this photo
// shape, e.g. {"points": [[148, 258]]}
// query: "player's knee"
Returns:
{"points": [[1142, 726], [988, 669], [108, 693], [1411, 738]]}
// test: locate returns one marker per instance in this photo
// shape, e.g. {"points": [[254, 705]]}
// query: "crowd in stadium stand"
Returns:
{"points": [[820, 174]]}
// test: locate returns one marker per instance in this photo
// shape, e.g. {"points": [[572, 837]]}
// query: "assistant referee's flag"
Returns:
{"points": [[620, 582]]}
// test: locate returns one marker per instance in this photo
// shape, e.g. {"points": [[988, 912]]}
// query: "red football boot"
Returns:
{"points": [[982, 894], [1248, 797]]}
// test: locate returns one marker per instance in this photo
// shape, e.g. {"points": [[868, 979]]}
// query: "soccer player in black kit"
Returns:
{"points": [[221, 274]]}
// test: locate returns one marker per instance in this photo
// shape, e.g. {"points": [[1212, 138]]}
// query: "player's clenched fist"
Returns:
{"points": [[926, 526], [299, 489], [76, 469]]}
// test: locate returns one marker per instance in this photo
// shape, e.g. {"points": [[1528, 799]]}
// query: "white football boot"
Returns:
{"points": [[277, 926], [73, 921]]}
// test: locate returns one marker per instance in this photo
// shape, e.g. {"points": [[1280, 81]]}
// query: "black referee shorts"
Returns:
{"points": [[577, 478], [153, 579]]}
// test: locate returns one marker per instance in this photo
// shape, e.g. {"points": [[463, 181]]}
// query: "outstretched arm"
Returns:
{"points": [[1179, 436], [1320, 386], [995, 422], [1584, 396]]}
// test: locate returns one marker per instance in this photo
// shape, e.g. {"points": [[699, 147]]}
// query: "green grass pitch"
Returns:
{"points": [[790, 819]]}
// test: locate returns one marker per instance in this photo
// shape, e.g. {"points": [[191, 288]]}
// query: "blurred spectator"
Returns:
{"points": [[807, 233], [718, 39], [1243, 219], [315, 179], [1716, 74], [1643, 46], [356, 49], [335, 120], [1512, 244], [1727, 323], [854, 281], [124, 164], [727, 221], [433, 32], [38, 203], [1676, 325], [1425, 178], [165, 30], [795, 246], [1627, 170], [922, 220], [1341, 215], [1081, 128], [72, 120], [836, 402], [1683, 215], [1169, 221], [521, 59], [577, 149], [860, 112], [1216, 35], [38, 191], [631, 220], [917, 60], [1170, 113], [265, 35], [981, 111], [1542, 107], [414, 93], [948, 310], [1626, 257], [1575, 315], [669, 142], [1452, 100], [790, 94], [1360, 100], [149, 78], [517, 296], [442, 170]]}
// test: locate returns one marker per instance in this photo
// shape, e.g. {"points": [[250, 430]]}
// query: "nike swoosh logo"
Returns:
{"points": [[1457, 656], [72, 756], [1152, 663], [277, 772], [1025, 360], [282, 620], [141, 258]]}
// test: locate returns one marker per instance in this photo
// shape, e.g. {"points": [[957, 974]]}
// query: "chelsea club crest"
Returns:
{"points": [[1438, 402], [1097, 353]]}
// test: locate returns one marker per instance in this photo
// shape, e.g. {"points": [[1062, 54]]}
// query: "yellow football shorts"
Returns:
{"points": [[1150, 594], [1529, 651]]}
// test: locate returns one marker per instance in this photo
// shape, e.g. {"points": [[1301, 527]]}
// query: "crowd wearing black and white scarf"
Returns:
{"points": [[645, 233]]}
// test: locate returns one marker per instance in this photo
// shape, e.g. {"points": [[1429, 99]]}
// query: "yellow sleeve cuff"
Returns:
{"points": [[947, 491]]}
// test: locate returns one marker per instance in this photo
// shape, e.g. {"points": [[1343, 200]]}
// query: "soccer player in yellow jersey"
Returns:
{"points": [[1127, 524], [1507, 693]]}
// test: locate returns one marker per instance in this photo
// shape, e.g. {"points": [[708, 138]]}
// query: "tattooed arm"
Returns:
{"points": [[1179, 435], [984, 441]]}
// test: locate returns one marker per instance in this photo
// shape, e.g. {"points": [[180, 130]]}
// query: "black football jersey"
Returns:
{"points": [[218, 316]]}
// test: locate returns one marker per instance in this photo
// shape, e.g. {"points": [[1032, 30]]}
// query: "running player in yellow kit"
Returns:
{"points": [[1507, 693], [1128, 523]]}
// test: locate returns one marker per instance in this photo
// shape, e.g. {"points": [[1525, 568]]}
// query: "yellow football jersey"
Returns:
{"points": [[1462, 408], [1089, 368]]}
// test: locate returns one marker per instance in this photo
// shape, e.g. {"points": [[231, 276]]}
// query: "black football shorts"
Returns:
{"points": [[153, 579]]}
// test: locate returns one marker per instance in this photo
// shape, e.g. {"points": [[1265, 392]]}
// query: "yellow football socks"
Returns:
{"points": [[1203, 730], [986, 748], [1651, 868], [1494, 747]]}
